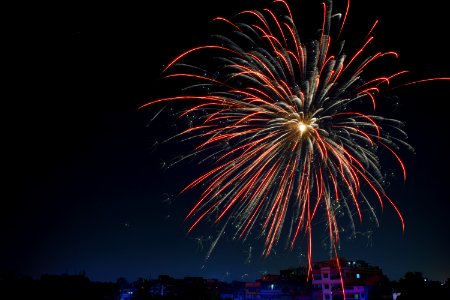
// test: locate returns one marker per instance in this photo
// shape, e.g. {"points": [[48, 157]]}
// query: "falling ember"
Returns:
{"points": [[286, 126]]}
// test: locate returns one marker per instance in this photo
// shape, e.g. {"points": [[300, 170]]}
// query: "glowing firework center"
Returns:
{"points": [[304, 126]]}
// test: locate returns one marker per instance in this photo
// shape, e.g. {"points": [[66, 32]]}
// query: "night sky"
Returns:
{"points": [[84, 184]]}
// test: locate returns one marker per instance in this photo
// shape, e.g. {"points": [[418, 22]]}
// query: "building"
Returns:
{"points": [[356, 277], [328, 280], [290, 284]]}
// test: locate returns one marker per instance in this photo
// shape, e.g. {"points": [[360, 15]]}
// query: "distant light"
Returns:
{"points": [[358, 276], [272, 286]]}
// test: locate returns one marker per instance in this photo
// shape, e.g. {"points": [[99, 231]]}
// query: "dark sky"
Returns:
{"points": [[83, 185]]}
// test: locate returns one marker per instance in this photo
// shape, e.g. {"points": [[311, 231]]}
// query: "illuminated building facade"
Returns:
{"points": [[357, 278]]}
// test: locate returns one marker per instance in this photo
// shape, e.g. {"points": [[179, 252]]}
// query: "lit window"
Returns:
{"points": [[358, 276]]}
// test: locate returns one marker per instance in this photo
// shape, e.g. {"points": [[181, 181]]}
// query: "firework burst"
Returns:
{"points": [[290, 127]]}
